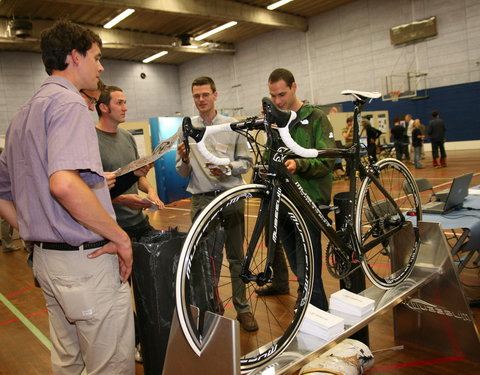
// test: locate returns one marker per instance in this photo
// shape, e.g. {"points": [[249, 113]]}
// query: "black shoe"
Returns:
{"points": [[271, 290]]}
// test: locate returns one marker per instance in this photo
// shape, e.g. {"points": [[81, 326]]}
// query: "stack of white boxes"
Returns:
{"points": [[321, 324], [346, 308], [345, 303]]}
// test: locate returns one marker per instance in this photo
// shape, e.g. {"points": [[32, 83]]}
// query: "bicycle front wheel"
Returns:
{"points": [[384, 264], [208, 275]]}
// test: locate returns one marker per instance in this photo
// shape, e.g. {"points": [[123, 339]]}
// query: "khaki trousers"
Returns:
{"points": [[90, 312]]}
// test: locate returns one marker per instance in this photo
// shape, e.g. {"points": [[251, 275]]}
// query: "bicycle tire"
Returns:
{"points": [[278, 321], [385, 265]]}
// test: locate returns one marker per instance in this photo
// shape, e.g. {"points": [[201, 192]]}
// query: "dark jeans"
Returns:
{"points": [[372, 152], [438, 145], [296, 261], [398, 150]]}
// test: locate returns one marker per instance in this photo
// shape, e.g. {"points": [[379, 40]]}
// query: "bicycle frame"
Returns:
{"points": [[280, 181]]}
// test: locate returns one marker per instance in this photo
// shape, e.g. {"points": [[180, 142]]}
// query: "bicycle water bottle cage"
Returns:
{"points": [[190, 131], [275, 115]]}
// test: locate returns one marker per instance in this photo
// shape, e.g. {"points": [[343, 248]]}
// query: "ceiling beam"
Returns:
{"points": [[223, 10], [114, 39]]}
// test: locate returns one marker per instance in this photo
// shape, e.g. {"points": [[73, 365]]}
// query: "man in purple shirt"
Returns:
{"points": [[53, 191]]}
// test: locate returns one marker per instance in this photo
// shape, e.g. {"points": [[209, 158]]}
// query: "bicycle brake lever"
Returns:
{"points": [[189, 131]]}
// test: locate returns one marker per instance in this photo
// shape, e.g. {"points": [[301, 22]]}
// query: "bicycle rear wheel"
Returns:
{"points": [[205, 280], [384, 264]]}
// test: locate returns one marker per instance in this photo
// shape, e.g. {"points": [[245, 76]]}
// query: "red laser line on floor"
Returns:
{"points": [[427, 362], [26, 315], [20, 291]]}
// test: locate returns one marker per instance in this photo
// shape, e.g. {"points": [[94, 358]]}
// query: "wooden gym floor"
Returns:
{"points": [[24, 320]]}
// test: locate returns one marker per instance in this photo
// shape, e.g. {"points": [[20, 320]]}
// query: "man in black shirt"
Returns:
{"points": [[398, 134], [436, 132]]}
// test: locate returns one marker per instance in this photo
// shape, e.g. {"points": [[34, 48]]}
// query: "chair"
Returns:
{"points": [[423, 185], [470, 246], [385, 150]]}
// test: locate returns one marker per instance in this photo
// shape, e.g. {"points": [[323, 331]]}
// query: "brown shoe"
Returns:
{"points": [[271, 290], [247, 321]]}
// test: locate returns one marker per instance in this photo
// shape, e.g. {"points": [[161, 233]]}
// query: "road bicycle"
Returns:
{"points": [[276, 210]]}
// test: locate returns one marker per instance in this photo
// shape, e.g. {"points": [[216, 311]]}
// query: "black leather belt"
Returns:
{"points": [[66, 247], [214, 193]]}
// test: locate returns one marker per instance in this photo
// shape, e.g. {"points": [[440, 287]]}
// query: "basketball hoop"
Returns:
{"points": [[394, 95]]}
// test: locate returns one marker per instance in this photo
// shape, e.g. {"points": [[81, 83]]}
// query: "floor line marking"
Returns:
{"points": [[20, 291], [43, 339], [415, 364]]}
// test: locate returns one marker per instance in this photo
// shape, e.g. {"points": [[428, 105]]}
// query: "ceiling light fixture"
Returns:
{"points": [[278, 4], [216, 30], [118, 18], [154, 57]]}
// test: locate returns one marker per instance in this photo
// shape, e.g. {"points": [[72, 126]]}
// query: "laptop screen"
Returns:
{"points": [[458, 191]]}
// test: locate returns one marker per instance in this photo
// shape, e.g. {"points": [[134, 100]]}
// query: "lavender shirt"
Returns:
{"points": [[52, 132]]}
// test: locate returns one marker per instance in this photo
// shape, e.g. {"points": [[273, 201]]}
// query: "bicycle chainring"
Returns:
{"points": [[338, 262]]}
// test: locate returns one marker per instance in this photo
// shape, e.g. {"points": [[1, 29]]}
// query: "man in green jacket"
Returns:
{"points": [[312, 129]]}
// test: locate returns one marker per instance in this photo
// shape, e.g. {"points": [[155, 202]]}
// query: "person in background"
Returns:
{"points": [[417, 142], [7, 234], [436, 131], [398, 133], [372, 135], [208, 181], [312, 129], [409, 126], [347, 134], [117, 149], [53, 191], [117, 185]]}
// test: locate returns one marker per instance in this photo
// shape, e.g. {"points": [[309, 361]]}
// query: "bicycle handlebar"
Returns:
{"points": [[273, 115]]}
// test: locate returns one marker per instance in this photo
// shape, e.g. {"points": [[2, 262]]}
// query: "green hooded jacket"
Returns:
{"points": [[312, 129]]}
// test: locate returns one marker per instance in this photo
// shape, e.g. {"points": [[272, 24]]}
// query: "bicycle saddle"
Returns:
{"points": [[362, 95], [274, 115]]}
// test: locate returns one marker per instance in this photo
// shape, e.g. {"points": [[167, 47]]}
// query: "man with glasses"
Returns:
{"points": [[207, 181], [91, 96]]}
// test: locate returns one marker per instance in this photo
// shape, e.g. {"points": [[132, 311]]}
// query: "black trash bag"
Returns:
{"points": [[155, 261]]}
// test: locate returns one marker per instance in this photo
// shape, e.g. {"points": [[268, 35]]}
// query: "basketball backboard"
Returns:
{"points": [[403, 85]]}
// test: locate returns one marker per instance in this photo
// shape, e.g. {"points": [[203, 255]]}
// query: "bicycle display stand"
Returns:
{"points": [[430, 309], [220, 354]]}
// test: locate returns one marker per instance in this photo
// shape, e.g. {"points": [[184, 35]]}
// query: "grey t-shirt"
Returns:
{"points": [[117, 150]]}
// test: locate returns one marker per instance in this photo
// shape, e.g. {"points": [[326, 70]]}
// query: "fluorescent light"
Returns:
{"points": [[216, 30], [278, 4], [153, 57], [118, 18]]}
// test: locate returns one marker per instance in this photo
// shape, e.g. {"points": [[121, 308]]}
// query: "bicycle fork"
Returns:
{"points": [[267, 209]]}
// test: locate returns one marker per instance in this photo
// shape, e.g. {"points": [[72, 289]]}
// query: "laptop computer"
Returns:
{"points": [[455, 197]]}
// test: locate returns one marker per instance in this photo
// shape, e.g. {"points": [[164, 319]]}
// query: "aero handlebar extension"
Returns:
{"points": [[273, 116]]}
